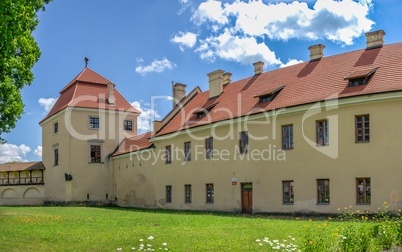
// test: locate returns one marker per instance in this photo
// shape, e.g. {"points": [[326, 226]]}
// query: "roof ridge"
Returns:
{"points": [[77, 78], [73, 96], [72, 81], [139, 112], [99, 75]]}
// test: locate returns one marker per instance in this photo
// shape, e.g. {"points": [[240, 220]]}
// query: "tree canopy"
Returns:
{"points": [[18, 54]]}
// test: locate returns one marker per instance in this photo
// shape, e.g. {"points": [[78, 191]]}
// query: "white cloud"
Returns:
{"points": [[233, 25], [156, 66], [12, 152], [38, 151], [291, 62], [148, 114], [187, 39], [185, 4], [210, 10], [238, 49], [47, 103]]}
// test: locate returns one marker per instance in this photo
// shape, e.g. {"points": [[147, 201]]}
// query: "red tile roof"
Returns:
{"points": [[89, 90], [134, 143], [305, 83], [23, 166]]}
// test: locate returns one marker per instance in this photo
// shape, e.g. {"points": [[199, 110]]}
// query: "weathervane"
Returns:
{"points": [[86, 61]]}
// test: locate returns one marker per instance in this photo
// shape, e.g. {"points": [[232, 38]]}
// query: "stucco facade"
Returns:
{"points": [[312, 137], [266, 165]]}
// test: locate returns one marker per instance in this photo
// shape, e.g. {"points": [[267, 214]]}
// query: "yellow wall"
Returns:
{"points": [[342, 162], [90, 181], [21, 195]]}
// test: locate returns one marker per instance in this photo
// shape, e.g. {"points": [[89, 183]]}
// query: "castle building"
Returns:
{"points": [[311, 137]]}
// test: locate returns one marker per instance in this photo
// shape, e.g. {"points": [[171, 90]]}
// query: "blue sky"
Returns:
{"points": [[142, 46]]}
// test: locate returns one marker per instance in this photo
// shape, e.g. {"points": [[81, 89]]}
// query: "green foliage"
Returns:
{"points": [[387, 228], [317, 237], [111, 229], [18, 54]]}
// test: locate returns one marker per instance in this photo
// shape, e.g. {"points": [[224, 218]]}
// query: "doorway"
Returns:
{"points": [[247, 197]]}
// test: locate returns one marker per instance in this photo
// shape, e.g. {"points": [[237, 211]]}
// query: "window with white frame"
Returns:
{"points": [[93, 122]]}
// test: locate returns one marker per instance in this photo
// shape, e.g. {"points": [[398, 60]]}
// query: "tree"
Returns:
{"points": [[18, 54]]}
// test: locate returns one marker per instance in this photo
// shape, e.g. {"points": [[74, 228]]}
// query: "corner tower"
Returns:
{"points": [[85, 126]]}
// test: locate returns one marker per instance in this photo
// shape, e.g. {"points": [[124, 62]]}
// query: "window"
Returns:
{"points": [[210, 193], [287, 137], [187, 193], [94, 122], [288, 194], [322, 132], [95, 153], [209, 146], [168, 153], [362, 128], [56, 157], [55, 127], [200, 114], [243, 142], [168, 194], [187, 151], [323, 191], [363, 191], [360, 77], [128, 125], [357, 82], [266, 98]]}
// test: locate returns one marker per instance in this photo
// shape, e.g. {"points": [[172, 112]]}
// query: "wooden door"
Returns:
{"points": [[247, 197]]}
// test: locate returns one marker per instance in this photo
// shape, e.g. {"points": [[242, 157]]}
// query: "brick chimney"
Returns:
{"points": [[374, 39], [179, 92], [316, 52], [110, 94], [258, 67], [215, 80]]}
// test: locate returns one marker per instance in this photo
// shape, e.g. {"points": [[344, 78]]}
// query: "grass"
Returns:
{"points": [[106, 229]]}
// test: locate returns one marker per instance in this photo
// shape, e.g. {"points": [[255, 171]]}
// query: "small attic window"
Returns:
{"points": [[360, 77], [202, 112], [357, 82], [266, 96]]}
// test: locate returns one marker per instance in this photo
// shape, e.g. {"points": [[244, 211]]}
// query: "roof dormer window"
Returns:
{"points": [[268, 95], [266, 98], [202, 112], [357, 82], [359, 77]]}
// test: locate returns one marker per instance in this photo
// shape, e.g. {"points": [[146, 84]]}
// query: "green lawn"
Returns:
{"points": [[106, 229]]}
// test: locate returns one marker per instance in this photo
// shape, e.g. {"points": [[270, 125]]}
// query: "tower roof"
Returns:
{"points": [[89, 90]]}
